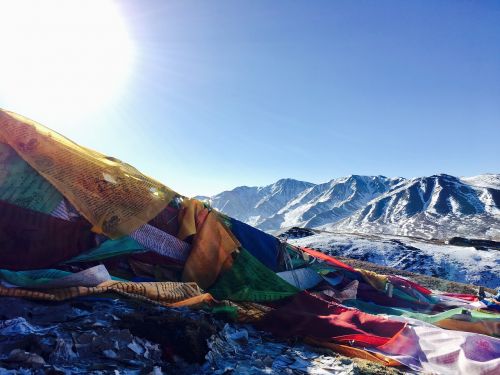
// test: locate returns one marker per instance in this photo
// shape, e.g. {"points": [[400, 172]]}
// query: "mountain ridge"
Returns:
{"points": [[437, 206]]}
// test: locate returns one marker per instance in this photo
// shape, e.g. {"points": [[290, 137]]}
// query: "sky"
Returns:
{"points": [[218, 94]]}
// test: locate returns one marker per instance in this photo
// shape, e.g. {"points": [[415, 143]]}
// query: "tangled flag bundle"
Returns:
{"points": [[74, 223]]}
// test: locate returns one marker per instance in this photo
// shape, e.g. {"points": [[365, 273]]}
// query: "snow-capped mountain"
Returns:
{"points": [[254, 205], [290, 202], [439, 206], [328, 202]]}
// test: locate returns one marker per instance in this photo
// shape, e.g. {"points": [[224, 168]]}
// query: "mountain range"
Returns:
{"points": [[440, 206]]}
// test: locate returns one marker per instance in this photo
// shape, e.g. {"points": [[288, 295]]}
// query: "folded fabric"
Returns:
{"points": [[458, 319], [93, 276], [368, 293], [350, 351], [190, 210], [22, 185], [490, 327], [52, 278], [377, 281], [327, 258], [307, 315], [109, 249], [349, 292], [112, 195], [333, 279], [264, 247], [210, 253], [64, 210], [399, 280], [167, 220], [446, 302], [249, 280], [465, 297], [31, 278], [411, 289], [165, 293], [161, 242], [154, 271], [61, 211], [302, 278], [408, 295], [294, 257], [152, 257], [372, 308], [403, 293], [31, 239], [435, 350], [492, 303]]}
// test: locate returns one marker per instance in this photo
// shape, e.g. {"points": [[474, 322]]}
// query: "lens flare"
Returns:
{"points": [[69, 56]]}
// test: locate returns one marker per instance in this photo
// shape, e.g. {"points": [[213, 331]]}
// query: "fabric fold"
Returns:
{"points": [[435, 350], [165, 293], [31, 239], [115, 197], [249, 280], [307, 315], [52, 278], [188, 225], [210, 253], [161, 242], [301, 278], [22, 185], [263, 246], [109, 249]]}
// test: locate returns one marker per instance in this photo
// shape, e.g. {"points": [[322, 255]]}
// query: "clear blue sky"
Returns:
{"points": [[229, 93]]}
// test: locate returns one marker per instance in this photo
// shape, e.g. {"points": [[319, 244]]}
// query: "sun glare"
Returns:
{"points": [[70, 56]]}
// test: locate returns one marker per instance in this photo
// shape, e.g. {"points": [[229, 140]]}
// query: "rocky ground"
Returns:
{"points": [[117, 336], [110, 336]]}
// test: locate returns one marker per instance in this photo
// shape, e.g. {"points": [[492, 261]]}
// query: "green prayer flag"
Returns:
{"points": [[109, 249], [249, 280], [21, 185]]}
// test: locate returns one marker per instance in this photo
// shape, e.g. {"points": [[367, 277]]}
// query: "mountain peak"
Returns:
{"points": [[444, 176], [289, 181], [440, 205], [290, 202]]}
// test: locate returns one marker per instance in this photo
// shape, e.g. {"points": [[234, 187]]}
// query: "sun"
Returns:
{"points": [[71, 56]]}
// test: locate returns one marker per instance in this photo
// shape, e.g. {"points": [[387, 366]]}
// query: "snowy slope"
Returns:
{"points": [[439, 206], [462, 264], [329, 202], [253, 205], [484, 180], [294, 203]]}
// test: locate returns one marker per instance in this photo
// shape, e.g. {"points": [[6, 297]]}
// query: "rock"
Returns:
{"points": [[27, 359]]}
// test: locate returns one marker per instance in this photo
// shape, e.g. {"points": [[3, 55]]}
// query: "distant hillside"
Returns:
{"points": [[439, 206]]}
